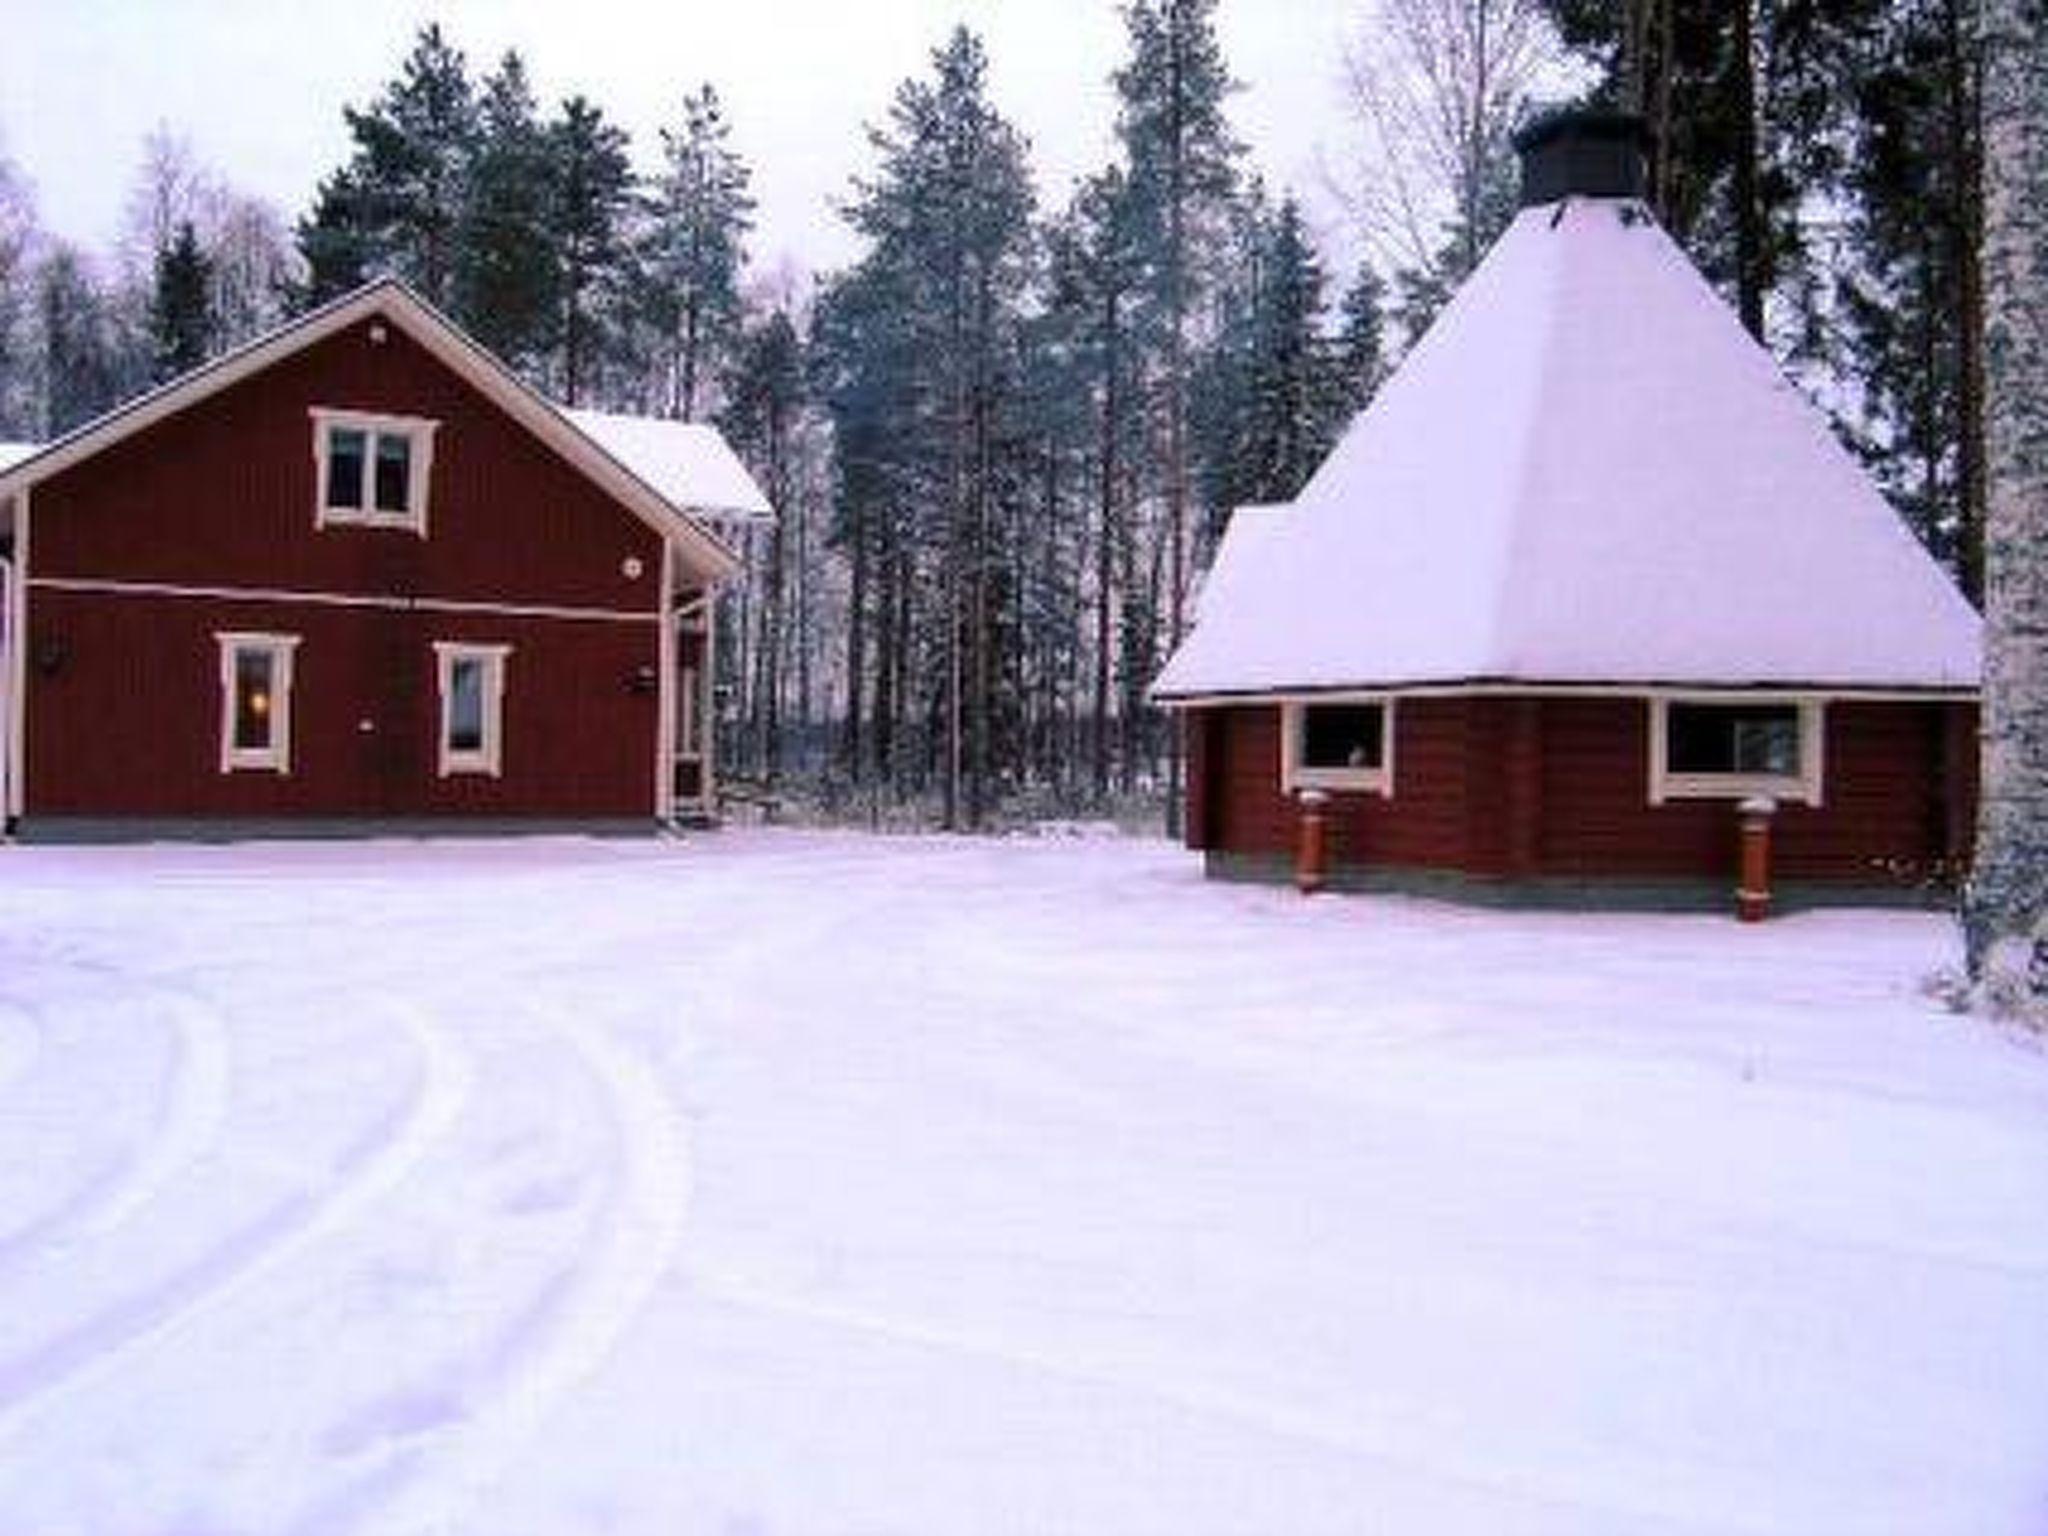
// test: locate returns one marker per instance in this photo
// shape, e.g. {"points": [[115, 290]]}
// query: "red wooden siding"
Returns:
{"points": [[128, 722], [1425, 824], [222, 495], [123, 707], [1516, 787]]}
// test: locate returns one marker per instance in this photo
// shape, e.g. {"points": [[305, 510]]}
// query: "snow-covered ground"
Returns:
{"points": [[783, 1182]]}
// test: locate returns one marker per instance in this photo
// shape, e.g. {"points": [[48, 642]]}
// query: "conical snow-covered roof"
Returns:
{"points": [[1585, 473]]}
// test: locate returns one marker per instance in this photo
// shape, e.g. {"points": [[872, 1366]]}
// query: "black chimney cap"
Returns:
{"points": [[1582, 152]]}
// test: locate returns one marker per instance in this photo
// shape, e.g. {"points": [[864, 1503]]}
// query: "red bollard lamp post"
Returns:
{"points": [[1753, 883], [1312, 852]]}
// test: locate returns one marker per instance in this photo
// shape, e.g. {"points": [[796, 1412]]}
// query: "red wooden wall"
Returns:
{"points": [[123, 715], [1516, 787]]}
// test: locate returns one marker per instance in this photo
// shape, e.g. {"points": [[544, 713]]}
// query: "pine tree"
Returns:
{"points": [[397, 205], [1913, 303], [925, 328], [181, 320], [506, 258], [1098, 272], [2006, 907], [761, 420], [694, 247], [1182, 167], [864, 367], [593, 182]]}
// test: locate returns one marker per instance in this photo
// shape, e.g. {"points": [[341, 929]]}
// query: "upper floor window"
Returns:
{"points": [[256, 701], [1723, 748], [1338, 744], [372, 470]]}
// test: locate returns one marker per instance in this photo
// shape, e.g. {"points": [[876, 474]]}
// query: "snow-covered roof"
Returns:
{"points": [[14, 453], [1245, 537], [1586, 472], [688, 462]]}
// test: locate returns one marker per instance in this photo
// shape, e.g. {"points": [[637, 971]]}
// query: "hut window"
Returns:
{"points": [[372, 470], [1704, 748], [472, 707], [256, 702], [1338, 744]]}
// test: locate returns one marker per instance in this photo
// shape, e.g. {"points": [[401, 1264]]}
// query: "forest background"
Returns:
{"points": [[1004, 436]]}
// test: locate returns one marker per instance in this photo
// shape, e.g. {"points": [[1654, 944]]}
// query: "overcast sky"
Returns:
{"points": [[257, 86]]}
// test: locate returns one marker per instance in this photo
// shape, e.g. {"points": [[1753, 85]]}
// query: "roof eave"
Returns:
{"points": [[1279, 693]]}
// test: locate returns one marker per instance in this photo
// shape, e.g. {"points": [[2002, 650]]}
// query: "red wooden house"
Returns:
{"points": [[358, 576], [1585, 575]]}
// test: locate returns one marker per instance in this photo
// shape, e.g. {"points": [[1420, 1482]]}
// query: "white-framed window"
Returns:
{"points": [[370, 470], [472, 706], [256, 701], [1716, 747], [1338, 743]]}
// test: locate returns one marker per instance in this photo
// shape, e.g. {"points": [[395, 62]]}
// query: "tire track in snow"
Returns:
{"points": [[23, 1060], [194, 1107], [569, 1330], [21, 1042], [365, 1172]]}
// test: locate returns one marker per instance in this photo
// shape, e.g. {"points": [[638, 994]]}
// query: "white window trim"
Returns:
{"points": [[489, 759], [1294, 775], [1803, 788], [417, 430], [277, 757]]}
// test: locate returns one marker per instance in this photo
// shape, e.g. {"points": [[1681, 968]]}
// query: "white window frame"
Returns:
{"points": [[418, 432], [277, 756], [489, 758], [1294, 774], [1804, 787]]}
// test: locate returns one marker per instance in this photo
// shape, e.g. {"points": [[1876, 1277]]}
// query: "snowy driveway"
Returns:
{"points": [[800, 1183]]}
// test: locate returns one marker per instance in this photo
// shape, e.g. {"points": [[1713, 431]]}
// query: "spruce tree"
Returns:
{"points": [[1290, 413], [181, 319], [1360, 360]]}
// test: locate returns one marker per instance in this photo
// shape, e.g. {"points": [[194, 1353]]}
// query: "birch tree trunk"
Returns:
{"points": [[2007, 897]]}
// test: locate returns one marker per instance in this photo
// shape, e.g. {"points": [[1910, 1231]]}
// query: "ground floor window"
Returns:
{"points": [[472, 706], [1725, 748], [1342, 744], [256, 701]]}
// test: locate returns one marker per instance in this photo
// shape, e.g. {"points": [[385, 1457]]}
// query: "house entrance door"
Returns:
{"points": [[691, 781]]}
